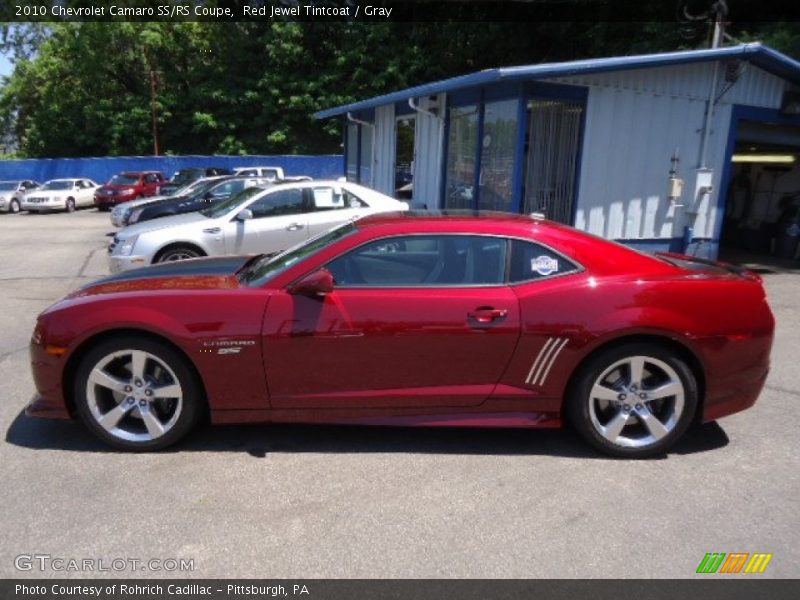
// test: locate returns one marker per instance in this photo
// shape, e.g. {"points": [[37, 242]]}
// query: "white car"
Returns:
{"points": [[255, 221], [61, 194], [13, 192], [271, 173]]}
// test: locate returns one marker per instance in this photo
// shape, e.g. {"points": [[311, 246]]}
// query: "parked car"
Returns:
{"points": [[271, 173], [122, 212], [61, 194], [13, 192], [416, 319], [253, 221], [186, 176], [204, 198], [127, 186]]}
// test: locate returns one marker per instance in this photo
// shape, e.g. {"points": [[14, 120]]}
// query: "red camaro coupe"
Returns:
{"points": [[412, 319]]}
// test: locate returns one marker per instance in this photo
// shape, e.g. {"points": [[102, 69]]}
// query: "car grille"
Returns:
{"points": [[37, 200]]}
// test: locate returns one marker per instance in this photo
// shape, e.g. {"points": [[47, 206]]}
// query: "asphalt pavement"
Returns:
{"points": [[306, 501]]}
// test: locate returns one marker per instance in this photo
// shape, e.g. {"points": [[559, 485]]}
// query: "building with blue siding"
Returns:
{"points": [[633, 148]]}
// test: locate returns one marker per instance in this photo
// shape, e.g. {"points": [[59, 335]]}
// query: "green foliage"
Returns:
{"points": [[83, 89]]}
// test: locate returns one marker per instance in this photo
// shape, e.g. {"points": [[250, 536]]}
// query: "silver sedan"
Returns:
{"points": [[255, 221]]}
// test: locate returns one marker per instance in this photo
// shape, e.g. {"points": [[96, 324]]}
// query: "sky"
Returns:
{"points": [[5, 65]]}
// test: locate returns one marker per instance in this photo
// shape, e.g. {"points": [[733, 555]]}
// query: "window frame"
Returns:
{"points": [[273, 192], [579, 268]]}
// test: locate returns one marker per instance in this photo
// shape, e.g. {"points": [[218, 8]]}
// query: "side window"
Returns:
{"points": [[530, 261], [326, 198], [248, 172], [150, 178], [282, 202], [423, 261]]}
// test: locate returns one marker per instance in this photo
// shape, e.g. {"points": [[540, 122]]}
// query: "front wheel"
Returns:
{"points": [[136, 394], [70, 205], [633, 401], [177, 253], [14, 206]]}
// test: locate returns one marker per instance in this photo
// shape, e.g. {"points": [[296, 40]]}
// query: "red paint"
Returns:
{"points": [[446, 356], [110, 194]]}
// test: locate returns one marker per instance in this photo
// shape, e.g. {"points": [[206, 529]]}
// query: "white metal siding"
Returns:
{"points": [[755, 87], [428, 143], [635, 120], [384, 144]]}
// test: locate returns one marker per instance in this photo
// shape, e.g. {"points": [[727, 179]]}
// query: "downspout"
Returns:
{"points": [[352, 119], [419, 109]]}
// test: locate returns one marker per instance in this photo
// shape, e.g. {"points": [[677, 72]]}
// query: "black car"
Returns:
{"points": [[188, 175], [208, 196]]}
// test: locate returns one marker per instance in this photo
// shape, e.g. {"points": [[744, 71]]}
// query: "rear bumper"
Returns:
{"points": [[739, 393]]}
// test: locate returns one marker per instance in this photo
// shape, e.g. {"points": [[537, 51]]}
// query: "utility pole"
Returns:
{"points": [[154, 109]]}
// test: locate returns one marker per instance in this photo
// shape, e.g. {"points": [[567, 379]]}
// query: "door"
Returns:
{"points": [[278, 222], [330, 205], [414, 321], [151, 183], [84, 193]]}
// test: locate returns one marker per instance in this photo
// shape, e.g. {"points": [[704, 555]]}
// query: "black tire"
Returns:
{"points": [[177, 253], [70, 205], [191, 404], [13, 206], [581, 406]]}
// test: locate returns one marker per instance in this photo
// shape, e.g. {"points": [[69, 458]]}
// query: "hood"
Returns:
{"points": [[162, 223], [194, 274]]}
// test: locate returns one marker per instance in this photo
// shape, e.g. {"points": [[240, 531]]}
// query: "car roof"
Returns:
{"points": [[606, 256]]}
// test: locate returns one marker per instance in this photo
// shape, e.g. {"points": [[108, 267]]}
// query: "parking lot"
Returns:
{"points": [[295, 501]]}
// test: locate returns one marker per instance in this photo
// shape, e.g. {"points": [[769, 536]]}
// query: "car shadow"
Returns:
{"points": [[261, 440]]}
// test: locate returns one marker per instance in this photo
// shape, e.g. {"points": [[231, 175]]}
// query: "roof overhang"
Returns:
{"points": [[762, 56]]}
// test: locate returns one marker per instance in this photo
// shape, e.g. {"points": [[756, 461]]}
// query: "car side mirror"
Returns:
{"points": [[244, 215], [318, 283]]}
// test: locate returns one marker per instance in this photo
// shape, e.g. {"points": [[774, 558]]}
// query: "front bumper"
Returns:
{"points": [[49, 205], [104, 201], [118, 264]]}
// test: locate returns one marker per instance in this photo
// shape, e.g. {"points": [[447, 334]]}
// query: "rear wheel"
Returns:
{"points": [[633, 401], [178, 253], [70, 205], [136, 394]]}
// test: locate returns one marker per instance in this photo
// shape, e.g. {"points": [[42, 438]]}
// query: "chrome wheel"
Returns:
{"points": [[14, 206], [636, 402], [134, 395], [70, 205], [178, 254]]}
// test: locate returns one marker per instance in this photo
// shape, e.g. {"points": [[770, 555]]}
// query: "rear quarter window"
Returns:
{"points": [[531, 262]]}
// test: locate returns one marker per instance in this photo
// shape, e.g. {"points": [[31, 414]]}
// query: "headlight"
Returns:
{"points": [[125, 247], [135, 215]]}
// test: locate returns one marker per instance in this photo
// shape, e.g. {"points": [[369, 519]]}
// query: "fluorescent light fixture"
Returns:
{"points": [[764, 158]]}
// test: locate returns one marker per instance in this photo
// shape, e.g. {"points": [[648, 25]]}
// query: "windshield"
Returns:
{"points": [[269, 266], [57, 185], [227, 205], [124, 179], [8, 185]]}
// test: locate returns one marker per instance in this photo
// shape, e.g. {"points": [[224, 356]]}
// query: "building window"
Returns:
{"points": [[497, 155], [553, 151], [358, 153], [462, 146], [351, 151]]}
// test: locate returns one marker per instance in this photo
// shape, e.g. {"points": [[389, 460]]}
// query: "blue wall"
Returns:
{"points": [[102, 169]]}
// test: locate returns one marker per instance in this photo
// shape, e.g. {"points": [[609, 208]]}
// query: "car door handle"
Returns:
{"points": [[487, 314], [295, 227]]}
